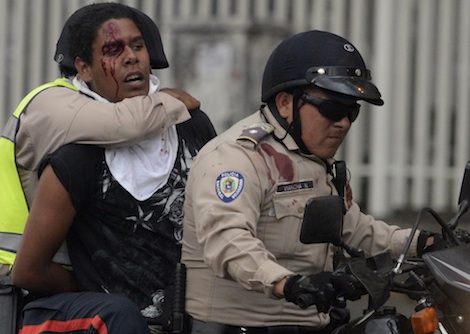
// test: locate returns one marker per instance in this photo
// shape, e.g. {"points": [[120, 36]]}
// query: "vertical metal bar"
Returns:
{"points": [[204, 10], [35, 46], [319, 17], [150, 8], [167, 17], [57, 12], [299, 13], [280, 11], [354, 147], [17, 69], [224, 9], [398, 103], [186, 9], [241, 12], [380, 120], [462, 70], [337, 17], [444, 88], [5, 32], [424, 78], [160, 12], [261, 10]]}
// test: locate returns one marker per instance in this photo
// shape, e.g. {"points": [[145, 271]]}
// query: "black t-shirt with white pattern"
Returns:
{"points": [[118, 244]]}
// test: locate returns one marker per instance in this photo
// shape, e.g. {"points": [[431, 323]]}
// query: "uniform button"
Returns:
{"points": [[300, 209]]}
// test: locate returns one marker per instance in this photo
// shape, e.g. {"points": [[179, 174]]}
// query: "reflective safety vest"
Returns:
{"points": [[13, 207]]}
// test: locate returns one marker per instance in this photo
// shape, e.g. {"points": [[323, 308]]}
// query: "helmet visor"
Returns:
{"points": [[353, 82]]}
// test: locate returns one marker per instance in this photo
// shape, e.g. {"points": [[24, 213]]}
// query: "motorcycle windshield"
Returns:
{"points": [[451, 266]]}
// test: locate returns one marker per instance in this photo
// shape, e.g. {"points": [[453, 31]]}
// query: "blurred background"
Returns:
{"points": [[405, 155]]}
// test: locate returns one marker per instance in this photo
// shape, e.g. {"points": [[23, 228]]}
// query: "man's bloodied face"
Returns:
{"points": [[121, 63]]}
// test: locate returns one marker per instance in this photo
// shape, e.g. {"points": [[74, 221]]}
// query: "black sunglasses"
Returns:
{"points": [[333, 110]]}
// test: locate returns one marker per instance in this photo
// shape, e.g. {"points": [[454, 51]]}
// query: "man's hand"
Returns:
{"points": [[346, 284], [429, 241], [189, 101], [310, 290]]}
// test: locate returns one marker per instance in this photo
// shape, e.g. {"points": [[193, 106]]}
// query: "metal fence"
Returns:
{"points": [[407, 154]]}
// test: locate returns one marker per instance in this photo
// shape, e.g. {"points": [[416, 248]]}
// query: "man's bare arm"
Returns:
{"points": [[49, 221]]}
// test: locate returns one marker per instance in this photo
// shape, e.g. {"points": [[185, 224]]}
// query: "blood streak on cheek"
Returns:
{"points": [[105, 62], [112, 44], [103, 66], [283, 163]]}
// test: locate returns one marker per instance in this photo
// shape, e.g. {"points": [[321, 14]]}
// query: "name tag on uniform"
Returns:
{"points": [[294, 186]]}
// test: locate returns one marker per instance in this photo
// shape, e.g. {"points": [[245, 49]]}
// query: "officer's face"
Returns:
{"points": [[121, 63], [322, 136]]}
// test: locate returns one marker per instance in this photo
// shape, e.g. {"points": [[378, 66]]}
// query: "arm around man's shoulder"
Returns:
{"points": [[85, 120]]}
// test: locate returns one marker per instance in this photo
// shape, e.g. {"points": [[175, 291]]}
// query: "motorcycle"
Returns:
{"points": [[438, 281]]}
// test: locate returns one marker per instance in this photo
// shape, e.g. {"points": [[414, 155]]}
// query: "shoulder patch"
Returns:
{"points": [[229, 185], [256, 132]]}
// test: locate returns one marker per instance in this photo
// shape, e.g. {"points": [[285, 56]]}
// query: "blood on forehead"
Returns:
{"points": [[110, 31], [111, 42]]}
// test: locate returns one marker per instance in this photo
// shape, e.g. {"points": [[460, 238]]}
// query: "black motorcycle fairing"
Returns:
{"points": [[451, 290], [451, 267]]}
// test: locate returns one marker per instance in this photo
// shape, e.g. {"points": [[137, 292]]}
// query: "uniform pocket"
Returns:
{"points": [[292, 203], [282, 232]]}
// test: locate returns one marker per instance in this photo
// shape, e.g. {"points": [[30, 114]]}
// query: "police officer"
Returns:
{"points": [[248, 188]]}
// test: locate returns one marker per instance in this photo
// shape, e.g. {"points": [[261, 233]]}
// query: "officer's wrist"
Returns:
{"points": [[425, 241], [278, 288]]}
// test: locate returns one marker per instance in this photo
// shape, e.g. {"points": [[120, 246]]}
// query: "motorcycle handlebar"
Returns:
{"points": [[305, 300]]}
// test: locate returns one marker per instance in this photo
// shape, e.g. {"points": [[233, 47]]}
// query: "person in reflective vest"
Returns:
{"points": [[13, 202]]}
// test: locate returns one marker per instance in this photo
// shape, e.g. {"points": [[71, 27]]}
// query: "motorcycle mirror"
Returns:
{"points": [[323, 221], [464, 198], [465, 188]]}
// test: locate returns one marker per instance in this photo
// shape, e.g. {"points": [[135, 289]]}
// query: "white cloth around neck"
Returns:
{"points": [[143, 168]]}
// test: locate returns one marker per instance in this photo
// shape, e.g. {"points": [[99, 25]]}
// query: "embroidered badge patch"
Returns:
{"points": [[229, 185]]}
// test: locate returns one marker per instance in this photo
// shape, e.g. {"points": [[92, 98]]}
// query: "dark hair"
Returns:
{"points": [[67, 71], [84, 32]]}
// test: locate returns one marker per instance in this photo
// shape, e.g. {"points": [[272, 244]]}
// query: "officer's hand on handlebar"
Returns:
{"points": [[347, 285], [309, 290], [429, 241]]}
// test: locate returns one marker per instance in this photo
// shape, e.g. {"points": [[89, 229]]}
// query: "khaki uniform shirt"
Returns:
{"points": [[244, 206], [58, 116]]}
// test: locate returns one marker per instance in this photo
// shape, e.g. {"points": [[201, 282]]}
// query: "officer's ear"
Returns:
{"points": [[84, 69], [284, 105]]}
